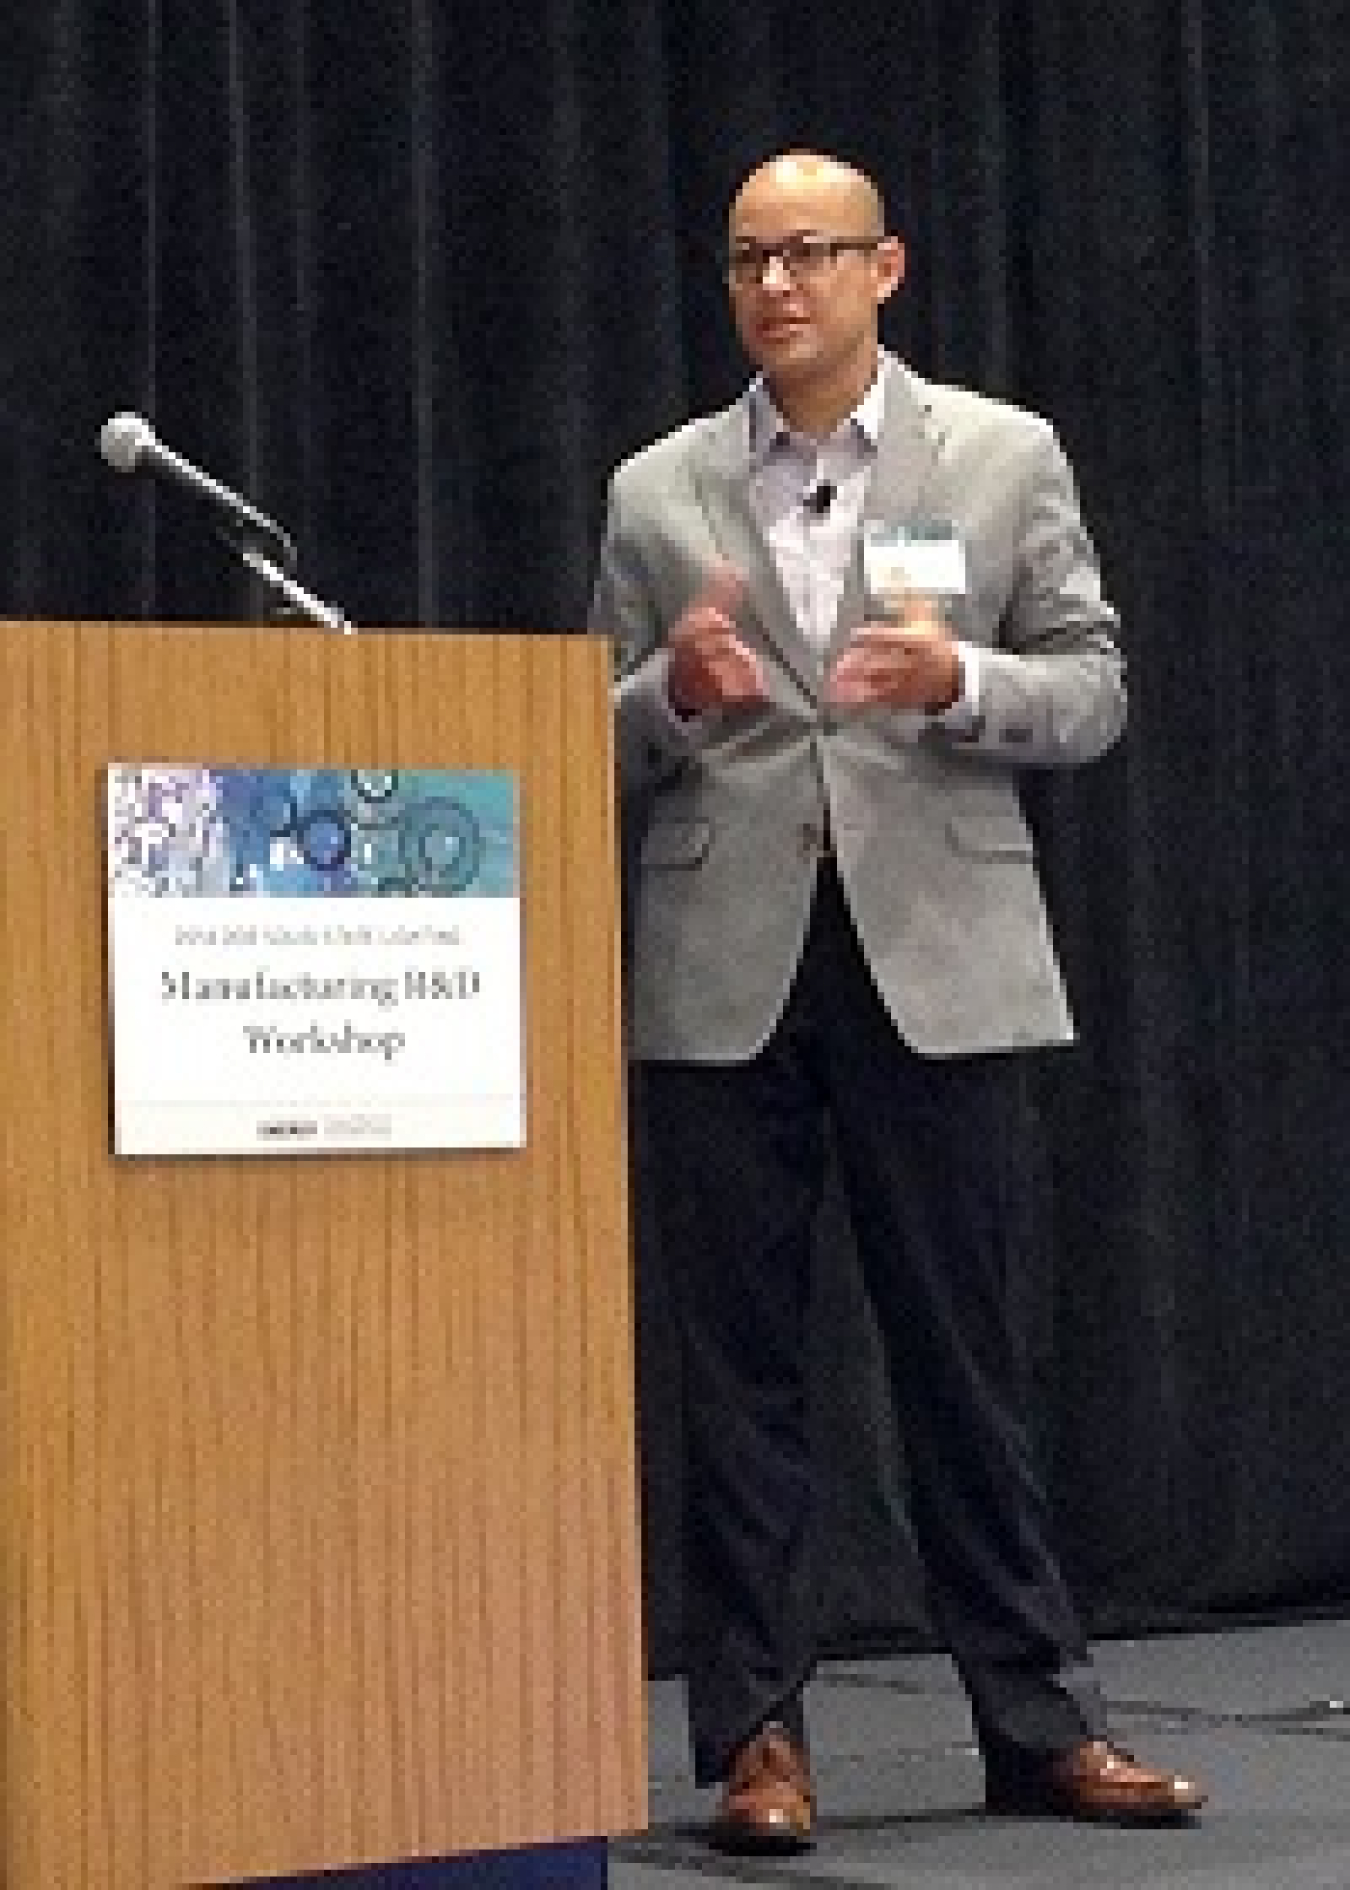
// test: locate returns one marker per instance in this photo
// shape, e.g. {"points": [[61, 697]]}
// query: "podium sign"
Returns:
{"points": [[309, 961]]}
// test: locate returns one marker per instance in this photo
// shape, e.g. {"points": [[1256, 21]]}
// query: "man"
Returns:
{"points": [[850, 610]]}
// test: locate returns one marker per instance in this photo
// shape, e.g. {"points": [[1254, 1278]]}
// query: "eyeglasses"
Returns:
{"points": [[805, 258]]}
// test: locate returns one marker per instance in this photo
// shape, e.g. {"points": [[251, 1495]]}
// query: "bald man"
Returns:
{"points": [[851, 611]]}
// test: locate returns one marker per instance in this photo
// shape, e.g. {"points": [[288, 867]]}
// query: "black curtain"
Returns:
{"points": [[414, 275]]}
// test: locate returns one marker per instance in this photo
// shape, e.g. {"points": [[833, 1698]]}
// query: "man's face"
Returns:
{"points": [[810, 314]]}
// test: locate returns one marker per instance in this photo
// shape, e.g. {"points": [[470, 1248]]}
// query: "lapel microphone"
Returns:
{"points": [[819, 499]]}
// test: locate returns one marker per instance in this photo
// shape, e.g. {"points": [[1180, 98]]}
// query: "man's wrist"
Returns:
{"points": [[956, 683], [962, 712]]}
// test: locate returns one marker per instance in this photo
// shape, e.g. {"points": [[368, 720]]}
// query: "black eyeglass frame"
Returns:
{"points": [[801, 256]]}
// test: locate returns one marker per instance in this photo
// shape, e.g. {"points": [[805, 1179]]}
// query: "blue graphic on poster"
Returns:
{"points": [[293, 833]]}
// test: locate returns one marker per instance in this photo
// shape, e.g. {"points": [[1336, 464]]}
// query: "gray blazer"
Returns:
{"points": [[933, 851]]}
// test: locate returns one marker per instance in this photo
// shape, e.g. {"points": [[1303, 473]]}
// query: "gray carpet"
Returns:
{"points": [[1261, 1715]]}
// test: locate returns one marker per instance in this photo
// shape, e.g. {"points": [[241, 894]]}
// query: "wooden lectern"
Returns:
{"points": [[319, 1489]]}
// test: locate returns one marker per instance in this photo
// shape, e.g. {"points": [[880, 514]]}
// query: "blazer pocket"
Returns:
{"points": [[990, 839], [672, 843]]}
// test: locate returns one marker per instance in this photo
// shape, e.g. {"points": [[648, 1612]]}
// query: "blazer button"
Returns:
{"points": [[812, 835]]}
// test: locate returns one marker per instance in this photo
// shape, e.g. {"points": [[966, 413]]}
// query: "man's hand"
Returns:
{"points": [[710, 666], [910, 665]]}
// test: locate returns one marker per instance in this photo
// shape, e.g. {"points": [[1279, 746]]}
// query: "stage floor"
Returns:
{"points": [[1260, 1715]]}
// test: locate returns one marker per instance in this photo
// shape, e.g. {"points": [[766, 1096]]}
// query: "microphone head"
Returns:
{"points": [[123, 439]]}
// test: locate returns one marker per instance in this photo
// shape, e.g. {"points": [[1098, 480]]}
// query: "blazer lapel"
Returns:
{"points": [[722, 482], [907, 454]]}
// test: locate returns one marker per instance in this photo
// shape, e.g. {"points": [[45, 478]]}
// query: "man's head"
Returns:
{"points": [[809, 264]]}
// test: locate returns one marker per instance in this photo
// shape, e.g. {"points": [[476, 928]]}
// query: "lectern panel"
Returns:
{"points": [[319, 1535]]}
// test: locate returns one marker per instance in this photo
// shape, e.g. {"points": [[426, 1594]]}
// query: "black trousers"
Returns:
{"points": [[931, 1165]]}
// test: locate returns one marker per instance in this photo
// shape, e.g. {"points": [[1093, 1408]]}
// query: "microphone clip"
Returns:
{"points": [[819, 498]]}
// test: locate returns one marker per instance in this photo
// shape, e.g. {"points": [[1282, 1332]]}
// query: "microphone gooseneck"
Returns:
{"points": [[130, 444]]}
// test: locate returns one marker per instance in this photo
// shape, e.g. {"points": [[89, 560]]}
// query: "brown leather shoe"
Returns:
{"points": [[1095, 1781], [768, 1802]]}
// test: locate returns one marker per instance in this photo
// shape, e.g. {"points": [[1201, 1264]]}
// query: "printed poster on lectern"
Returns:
{"points": [[311, 961]]}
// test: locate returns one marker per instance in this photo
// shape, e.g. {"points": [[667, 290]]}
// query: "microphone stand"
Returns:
{"points": [[303, 603]]}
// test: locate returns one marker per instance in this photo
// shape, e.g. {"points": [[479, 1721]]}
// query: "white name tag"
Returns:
{"points": [[902, 560]]}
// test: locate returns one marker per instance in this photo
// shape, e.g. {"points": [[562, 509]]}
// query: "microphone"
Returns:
{"points": [[130, 444], [819, 499]]}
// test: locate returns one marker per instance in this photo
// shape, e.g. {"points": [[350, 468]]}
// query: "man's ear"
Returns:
{"points": [[890, 267]]}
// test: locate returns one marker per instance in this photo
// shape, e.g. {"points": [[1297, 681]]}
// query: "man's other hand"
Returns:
{"points": [[710, 666]]}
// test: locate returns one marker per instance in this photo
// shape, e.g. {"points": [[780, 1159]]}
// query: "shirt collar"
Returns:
{"points": [[768, 429]]}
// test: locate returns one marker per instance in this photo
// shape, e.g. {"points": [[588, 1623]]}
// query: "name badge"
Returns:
{"points": [[901, 561]]}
